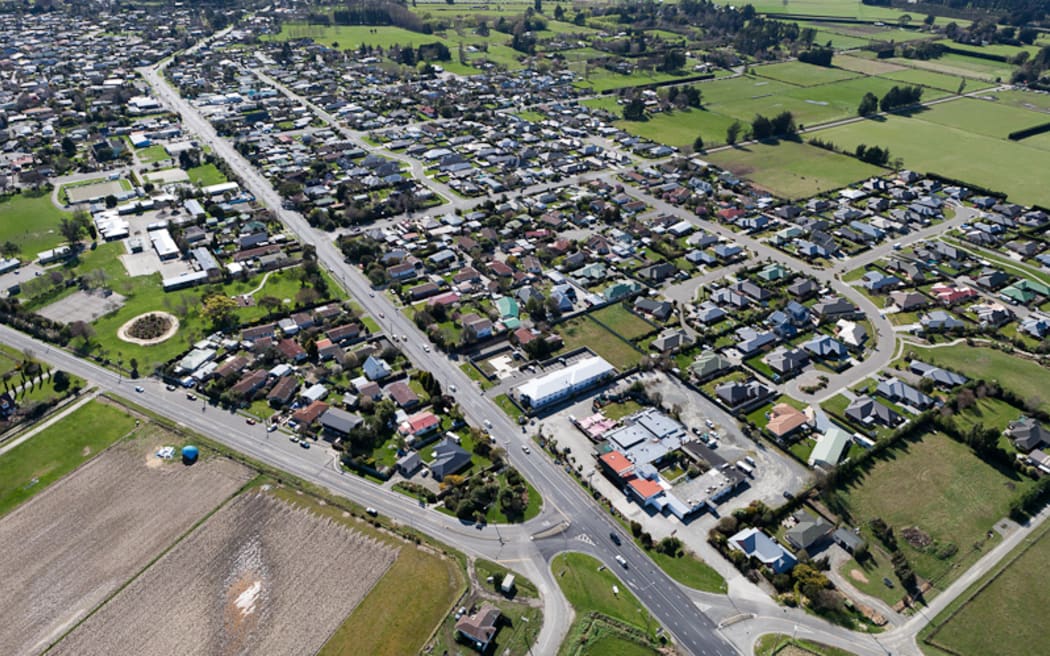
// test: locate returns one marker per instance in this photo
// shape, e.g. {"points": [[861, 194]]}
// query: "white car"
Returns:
{"points": [[620, 559], [139, 389], [526, 449], [452, 388]]}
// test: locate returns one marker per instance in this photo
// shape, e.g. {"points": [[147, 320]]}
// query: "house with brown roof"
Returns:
{"points": [[308, 415], [785, 420], [402, 395], [250, 383], [344, 334], [291, 350], [480, 628], [283, 392]]}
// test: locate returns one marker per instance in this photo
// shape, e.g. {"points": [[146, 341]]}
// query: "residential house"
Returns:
{"points": [[402, 395], [851, 333], [907, 301], [672, 340], [449, 458], [709, 365], [1026, 433], [756, 544], [808, 532], [283, 392], [867, 411], [659, 310], [741, 396], [480, 628], [829, 448], [940, 377], [903, 394], [939, 320], [786, 361], [376, 368], [785, 420], [338, 423]]}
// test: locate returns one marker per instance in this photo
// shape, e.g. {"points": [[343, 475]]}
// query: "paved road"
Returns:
{"points": [[563, 498]]}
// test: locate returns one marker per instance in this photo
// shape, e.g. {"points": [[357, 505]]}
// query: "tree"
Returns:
{"points": [[219, 310], [634, 110], [869, 104], [73, 229], [559, 13], [538, 6], [580, 19], [69, 147], [9, 249], [733, 132], [60, 381], [761, 128], [698, 144]]}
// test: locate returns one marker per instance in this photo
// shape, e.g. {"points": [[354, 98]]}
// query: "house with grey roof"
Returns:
{"points": [[1026, 433], [867, 411], [901, 393], [449, 458]]}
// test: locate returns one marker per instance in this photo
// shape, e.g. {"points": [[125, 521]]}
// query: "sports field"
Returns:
{"points": [[31, 221], [930, 142], [793, 170]]}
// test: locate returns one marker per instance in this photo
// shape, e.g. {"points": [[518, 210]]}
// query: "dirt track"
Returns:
{"points": [[69, 548], [259, 577]]}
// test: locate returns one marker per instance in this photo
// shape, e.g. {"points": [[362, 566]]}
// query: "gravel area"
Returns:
{"points": [[66, 550], [259, 577]]}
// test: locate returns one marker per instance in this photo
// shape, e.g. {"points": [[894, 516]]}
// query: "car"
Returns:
{"points": [[191, 396], [615, 538], [304, 444], [709, 423], [887, 582], [170, 387], [140, 389], [620, 559], [526, 449], [371, 294], [382, 316], [271, 428], [250, 421], [371, 511], [294, 438], [452, 388], [696, 430], [788, 495], [426, 349]]}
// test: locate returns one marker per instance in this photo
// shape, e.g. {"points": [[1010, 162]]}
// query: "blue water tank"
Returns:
{"points": [[189, 454]]}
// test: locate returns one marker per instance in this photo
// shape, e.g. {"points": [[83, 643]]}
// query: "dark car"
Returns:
{"points": [[615, 538]]}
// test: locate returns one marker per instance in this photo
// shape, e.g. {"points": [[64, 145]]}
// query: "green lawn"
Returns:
{"points": [[833, 8], [982, 117], [933, 79], [57, 450], [581, 331], [1008, 611], [794, 170], [777, 643], [802, 74], [590, 590], [943, 489], [992, 413], [621, 410], [679, 128], [624, 322], [1007, 166], [205, 175], [594, 635], [31, 222], [1022, 376], [505, 404], [690, 571], [868, 577], [152, 154]]}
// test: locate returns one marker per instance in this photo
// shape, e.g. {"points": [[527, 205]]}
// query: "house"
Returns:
{"points": [[903, 394], [756, 544], [752, 341], [829, 448], [851, 333], [659, 310], [291, 350], [480, 628], [419, 424], [785, 420], [283, 392], [1027, 434], [808, 532], [867, 411], [376, 368], [876, 281], [672, 340], [315, 392], [449, 458], [708, 313], [803, 288], [940, 320], [708, 365], [339, 423], [908, 300], [825, 347], [309, 414], [564, 383], [786, 361], [940, 377], [952, 294], [847, 539], [831, 308], [738, 395], [409, 464], [402, 395]]}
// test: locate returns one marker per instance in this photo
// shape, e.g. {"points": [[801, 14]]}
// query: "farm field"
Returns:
{"points": [[960, 65], [934, 80], [1022, 376], [939, 487], [237, 585], [981, 117], [73, 545], [31, 222], [1008, 610], [838, 8], [804, 75], [953, 152], [29, 468], [1037, 102], [793, 170], [866, 66]]}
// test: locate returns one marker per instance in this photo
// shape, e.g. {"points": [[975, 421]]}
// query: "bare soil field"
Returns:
{"points": [[261, 576], [69, 548]]}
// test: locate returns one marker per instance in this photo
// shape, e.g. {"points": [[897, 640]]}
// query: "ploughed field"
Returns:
{"points": [[261, 576], [72, 546]]}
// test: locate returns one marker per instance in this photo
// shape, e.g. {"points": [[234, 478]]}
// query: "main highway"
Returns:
{"points": [[564, 500], [570, 518]]}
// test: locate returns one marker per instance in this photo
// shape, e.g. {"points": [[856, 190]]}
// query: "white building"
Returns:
{"points": [[163, 244], [564, 383]]}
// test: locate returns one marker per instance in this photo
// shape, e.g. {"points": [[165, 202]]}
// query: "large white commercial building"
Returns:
{"points": [[562, 384]]}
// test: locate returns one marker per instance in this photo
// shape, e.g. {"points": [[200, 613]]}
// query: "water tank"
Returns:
{"points": [[189, 454]]}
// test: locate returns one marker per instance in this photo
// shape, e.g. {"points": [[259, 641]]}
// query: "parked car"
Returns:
{"points": [[371, 511], [250, 421], [170, 387]]}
